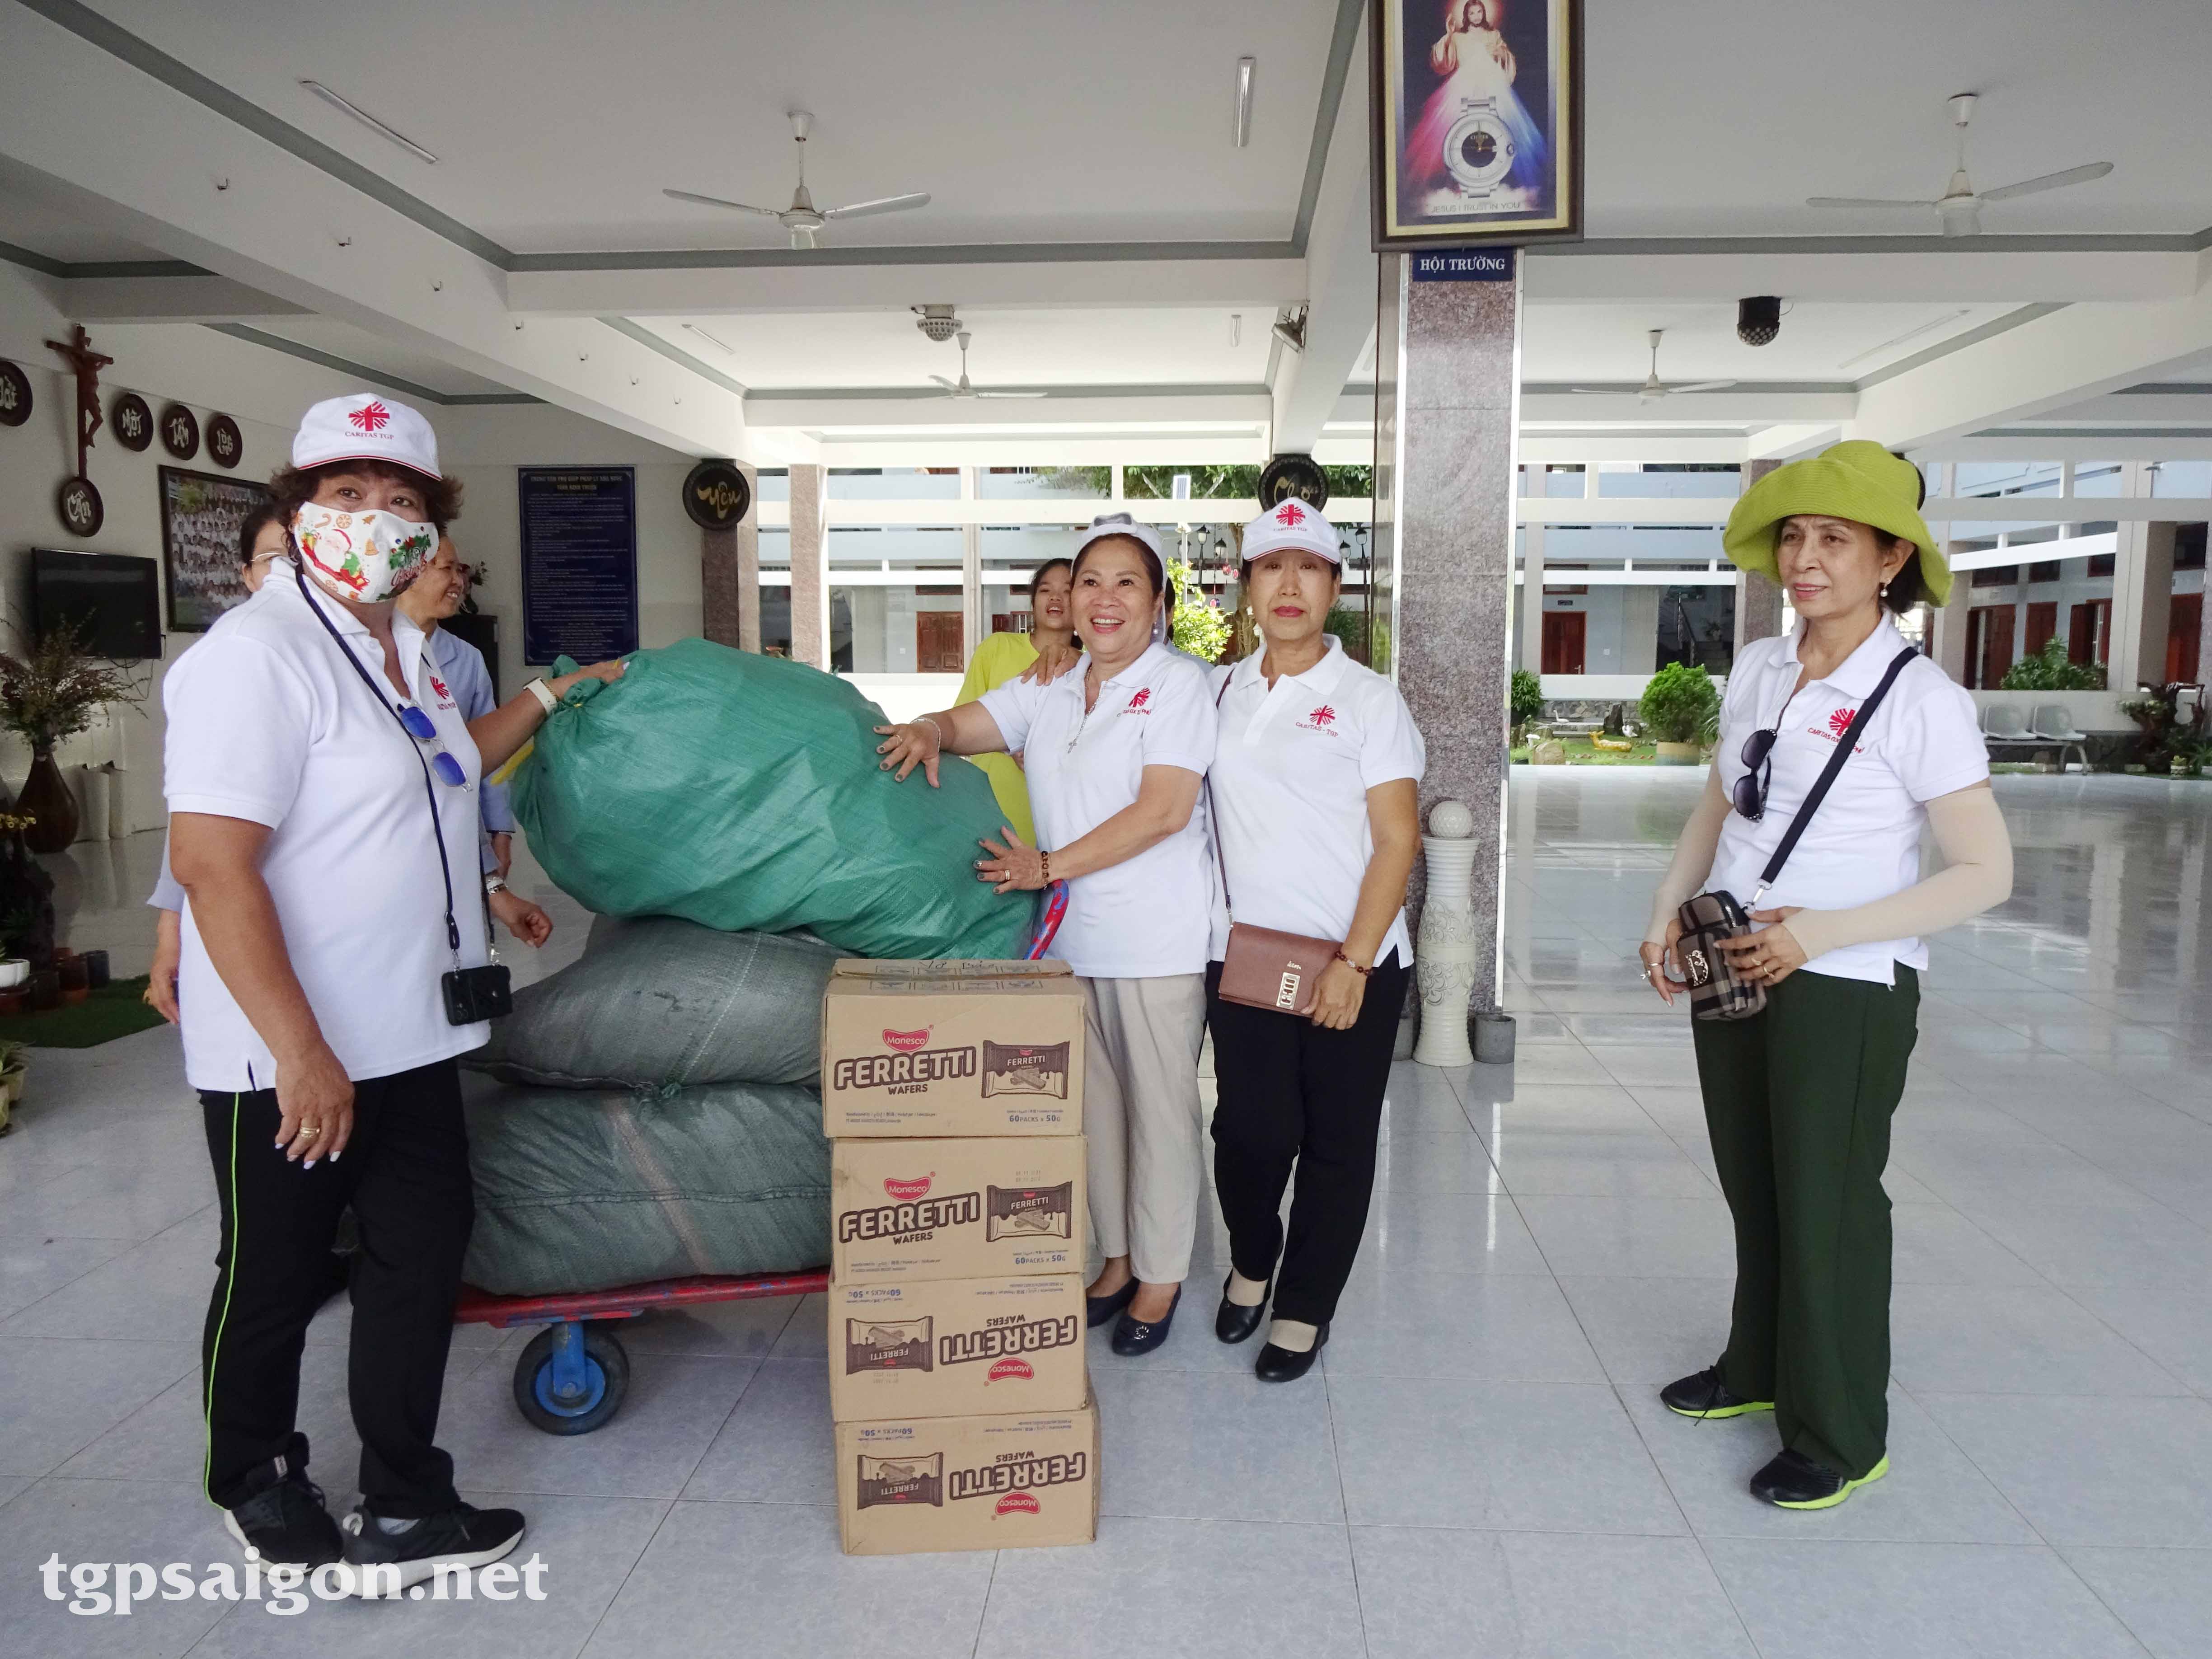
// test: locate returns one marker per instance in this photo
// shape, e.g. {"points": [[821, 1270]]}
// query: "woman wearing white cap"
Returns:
{"points": [[322, 787], [1115, 752], [1313, 798]]}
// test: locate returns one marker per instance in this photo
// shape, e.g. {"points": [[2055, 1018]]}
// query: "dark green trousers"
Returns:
{"points": [[1798, 1100]]}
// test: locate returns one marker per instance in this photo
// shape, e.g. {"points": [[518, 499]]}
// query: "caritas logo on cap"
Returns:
{"points": [[366, 425]]}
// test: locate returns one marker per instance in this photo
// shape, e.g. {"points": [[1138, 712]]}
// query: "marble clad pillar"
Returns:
{"points": [[1758, 599], [729, 576], [1458, 351], [809, 566]]}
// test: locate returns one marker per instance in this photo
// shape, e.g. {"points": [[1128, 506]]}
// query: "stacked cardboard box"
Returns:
{"points": [[954, 1093]]}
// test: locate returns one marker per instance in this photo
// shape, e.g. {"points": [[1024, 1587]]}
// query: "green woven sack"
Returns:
{"points": [[743, 792]]}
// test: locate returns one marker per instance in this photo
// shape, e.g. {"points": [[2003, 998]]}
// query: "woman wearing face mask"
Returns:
{"points": [[1799, 1096], [1006, 655], [1115, 752], [1313, 801], [322, 792]]}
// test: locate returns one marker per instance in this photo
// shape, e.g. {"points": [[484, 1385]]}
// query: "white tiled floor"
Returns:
{"points": [[1478, 1466]]}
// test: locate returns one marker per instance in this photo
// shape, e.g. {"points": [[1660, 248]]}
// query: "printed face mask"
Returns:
{"points": [[366, 557]]}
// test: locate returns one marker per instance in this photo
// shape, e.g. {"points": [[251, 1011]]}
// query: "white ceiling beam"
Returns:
{"points": [[1746, 406], [892, 278], [205, 299], [1976, 273], [1141, 408], [1341, 278], [177, 176], [1011, 448], [1540, 448], [2084, 352]]}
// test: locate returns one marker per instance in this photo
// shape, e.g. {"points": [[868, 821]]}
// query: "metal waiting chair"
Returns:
{"points": [[2053, 723], [2003, 727]]}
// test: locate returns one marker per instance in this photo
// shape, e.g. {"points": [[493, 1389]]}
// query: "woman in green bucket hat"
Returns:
{"points": [[1799, 1094]]}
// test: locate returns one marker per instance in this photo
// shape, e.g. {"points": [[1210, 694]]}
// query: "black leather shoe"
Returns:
{"points": [[1277, 1364], [1133, 1336], [1232, 1324], [1097, 1309], [1705, 1395], [1794, 1481]]}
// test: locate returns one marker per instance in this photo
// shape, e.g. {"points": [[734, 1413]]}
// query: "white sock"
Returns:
{"points": [[392, 1527], [1244, 1293], [1292, 1335]]}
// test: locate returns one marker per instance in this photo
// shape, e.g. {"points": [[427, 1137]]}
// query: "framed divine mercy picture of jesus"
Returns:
{"points": [[1477, 110]]}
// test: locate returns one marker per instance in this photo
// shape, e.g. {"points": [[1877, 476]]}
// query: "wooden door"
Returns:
{"points": [[2184, 632], [2042, 625], [2088, 631], [1988, 644], [937, 643], [1565, 633]]}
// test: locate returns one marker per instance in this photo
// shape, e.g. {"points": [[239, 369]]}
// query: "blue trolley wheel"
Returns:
{"points": [[572, 1378]]}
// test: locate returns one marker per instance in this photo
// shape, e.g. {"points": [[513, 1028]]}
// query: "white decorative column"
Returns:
{"points": [[1446, 956]]}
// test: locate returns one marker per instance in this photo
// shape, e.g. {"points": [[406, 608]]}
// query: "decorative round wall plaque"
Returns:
{"points": [[1293, 475], [79, 504], [14, 395], [132, 422], [225, 442], [181, 432], [716, 495]]}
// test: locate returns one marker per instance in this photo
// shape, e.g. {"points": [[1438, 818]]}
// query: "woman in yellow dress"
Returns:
{"points": [[1003, 656]]}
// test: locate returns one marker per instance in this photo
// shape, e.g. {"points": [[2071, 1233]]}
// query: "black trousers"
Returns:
{"points": [[406, 1173], [1798, 1099], [1289, 1092]]}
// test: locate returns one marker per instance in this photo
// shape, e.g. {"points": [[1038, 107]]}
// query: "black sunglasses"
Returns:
{"points": [[1759, 763]]}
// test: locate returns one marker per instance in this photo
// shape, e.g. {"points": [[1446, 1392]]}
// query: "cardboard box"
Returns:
{"points": [[967, 1483], [955, 1209], [952, 1048], [956, 1347]]}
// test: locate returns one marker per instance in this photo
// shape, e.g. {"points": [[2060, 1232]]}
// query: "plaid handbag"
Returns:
{"points": [[1716, 990]]}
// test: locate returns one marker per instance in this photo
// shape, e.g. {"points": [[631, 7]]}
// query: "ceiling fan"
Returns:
{"points": [[1961, 205], [960, 388], [802, 218], [1653, 387]]}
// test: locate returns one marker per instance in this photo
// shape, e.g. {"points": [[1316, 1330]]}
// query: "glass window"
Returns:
{"points": [[894, 484], [2192, 478], [2100, 479], [904, 628], [1673, 482], [775, 483], [2007, 478], [1006, 484]]}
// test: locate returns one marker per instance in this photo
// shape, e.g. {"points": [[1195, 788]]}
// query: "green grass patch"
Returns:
{"points": [[1581, 751], [115, 1010]]}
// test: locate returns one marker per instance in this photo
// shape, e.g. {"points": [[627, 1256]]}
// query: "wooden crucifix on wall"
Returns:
{"points": [[86, 364]]}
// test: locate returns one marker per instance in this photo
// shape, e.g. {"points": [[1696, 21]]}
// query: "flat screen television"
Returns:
{"points": [[113, 600]]}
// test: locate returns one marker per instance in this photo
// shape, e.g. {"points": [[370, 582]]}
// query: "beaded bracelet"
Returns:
{"points": [[1355, 967]]}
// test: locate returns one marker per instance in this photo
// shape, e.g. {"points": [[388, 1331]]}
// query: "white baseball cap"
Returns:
{"points": [[366, 425], [1291, 524], [1121, 524]]}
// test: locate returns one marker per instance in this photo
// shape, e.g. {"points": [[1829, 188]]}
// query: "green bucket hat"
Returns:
{"points": [[1858, 480]]}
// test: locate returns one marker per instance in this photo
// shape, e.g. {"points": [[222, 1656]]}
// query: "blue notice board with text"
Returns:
{"points": [[579, 562]]}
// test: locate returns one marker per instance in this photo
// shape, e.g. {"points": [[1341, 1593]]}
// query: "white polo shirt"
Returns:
{"points": [[267, 723], [1290, 776], [1863, 844], [1146, 917]]}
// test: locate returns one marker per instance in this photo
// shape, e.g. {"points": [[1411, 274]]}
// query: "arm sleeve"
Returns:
{"points": [[1969, 832], [1693, 857], [1393, 748], [1934, 746], [1013, 707], [1181, 729], [167, 896], [239, 723]]}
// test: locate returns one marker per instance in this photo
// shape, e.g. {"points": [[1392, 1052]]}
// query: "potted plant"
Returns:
{"points": [[2050, 670], [27, 910], [52, 693], [1678, 706], [1524, 703]]}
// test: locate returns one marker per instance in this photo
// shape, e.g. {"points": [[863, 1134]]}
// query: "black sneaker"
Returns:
{"points": [[1705, 1395], [388, 1563], [284, 1521], [1794, 1481]]}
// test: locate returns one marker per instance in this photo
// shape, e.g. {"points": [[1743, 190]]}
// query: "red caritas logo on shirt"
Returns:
{"points": [[1323, 718], [444, 697], [1840, 721], [1140, 703]]}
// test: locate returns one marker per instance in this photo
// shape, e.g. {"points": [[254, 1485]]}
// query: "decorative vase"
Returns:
{"points": [[1444, 956], [47, 798]]}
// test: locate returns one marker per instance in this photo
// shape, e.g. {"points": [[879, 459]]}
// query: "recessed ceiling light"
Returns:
{"points": [[1928, 327], [722, 346], [369, 120], [1245, 66]]}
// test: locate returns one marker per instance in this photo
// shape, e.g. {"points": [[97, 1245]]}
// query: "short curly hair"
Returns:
{"points": [[292, 487]]}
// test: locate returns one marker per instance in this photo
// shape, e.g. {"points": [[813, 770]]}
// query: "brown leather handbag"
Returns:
{"points": [[1263, 968]]}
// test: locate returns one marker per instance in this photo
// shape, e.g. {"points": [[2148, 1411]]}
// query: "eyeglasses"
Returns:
{"points": [[1759, 774], [424, 731]]}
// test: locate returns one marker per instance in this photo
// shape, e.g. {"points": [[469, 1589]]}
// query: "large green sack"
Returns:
{"points": [[579, 1191], [657, 1000], [743, 792]]}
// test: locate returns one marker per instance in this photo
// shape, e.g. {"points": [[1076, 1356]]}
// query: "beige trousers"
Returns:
{"points": [[1141, 1114]]}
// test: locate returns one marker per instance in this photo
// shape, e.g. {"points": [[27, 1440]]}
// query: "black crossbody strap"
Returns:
{"points": [[1820, 790], [429, 789], [1213, 812]]}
